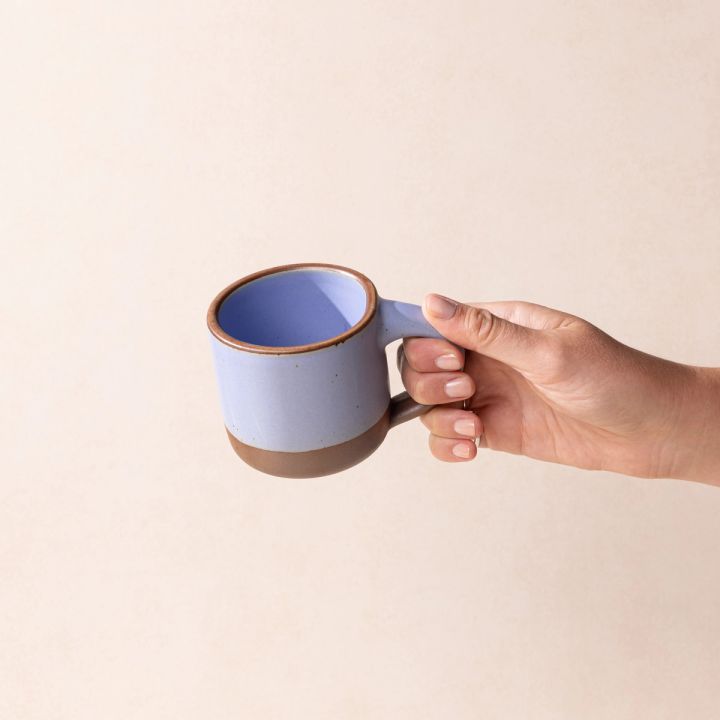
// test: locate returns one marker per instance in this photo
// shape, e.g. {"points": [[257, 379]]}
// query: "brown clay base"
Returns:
{"points": [[314, 463]]}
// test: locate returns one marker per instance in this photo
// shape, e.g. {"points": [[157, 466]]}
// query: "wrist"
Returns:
{"points": [[696, 445]]}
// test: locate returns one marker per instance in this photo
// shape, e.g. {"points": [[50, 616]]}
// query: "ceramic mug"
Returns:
{"points": [[299, 354]]}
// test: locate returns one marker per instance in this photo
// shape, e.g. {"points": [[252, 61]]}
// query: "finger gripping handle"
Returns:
{"points": [[400, 320]]}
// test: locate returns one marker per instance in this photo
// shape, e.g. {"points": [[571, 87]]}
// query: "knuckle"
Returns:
{"points": [[433, 419], [422, 390], [409, 347], [436, 448], [412, 382], [428, 420], [480, 324]]}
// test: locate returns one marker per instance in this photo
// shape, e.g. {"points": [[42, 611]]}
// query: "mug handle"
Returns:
{"points": [[400, 320]]}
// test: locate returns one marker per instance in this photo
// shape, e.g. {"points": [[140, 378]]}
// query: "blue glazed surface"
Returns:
{"points": [[303, 401], [308, 400], [295, 307]]}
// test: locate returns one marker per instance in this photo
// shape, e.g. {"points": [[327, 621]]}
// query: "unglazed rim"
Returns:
{"points": [[223, 337]]}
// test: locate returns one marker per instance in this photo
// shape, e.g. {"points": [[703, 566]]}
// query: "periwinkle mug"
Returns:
{"points": [[299, 354]]}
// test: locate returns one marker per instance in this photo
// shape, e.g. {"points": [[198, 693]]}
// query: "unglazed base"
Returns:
{"points": [[314, 463]]}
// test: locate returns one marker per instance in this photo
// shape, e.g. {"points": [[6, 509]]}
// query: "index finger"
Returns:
{"points": [[431, 354]]}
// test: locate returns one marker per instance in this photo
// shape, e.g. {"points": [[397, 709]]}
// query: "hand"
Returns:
{"points": [[549, 385]]}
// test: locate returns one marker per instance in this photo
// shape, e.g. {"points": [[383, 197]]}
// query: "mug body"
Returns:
{"points": [[301, 368]]}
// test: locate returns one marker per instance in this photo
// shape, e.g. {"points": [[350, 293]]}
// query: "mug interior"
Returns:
{"points": [[293, 307]]}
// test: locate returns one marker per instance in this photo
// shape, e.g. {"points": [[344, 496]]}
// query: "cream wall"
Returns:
{"points": [[565, 153]]}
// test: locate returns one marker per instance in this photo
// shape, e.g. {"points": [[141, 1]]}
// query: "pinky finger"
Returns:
{"points": [[452, 449]]}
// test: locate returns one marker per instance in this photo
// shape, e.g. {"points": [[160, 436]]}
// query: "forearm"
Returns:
{"points": [[696, 446]]}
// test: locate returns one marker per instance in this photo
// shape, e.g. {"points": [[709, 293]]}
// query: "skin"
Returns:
{"points": [[551, 386]]}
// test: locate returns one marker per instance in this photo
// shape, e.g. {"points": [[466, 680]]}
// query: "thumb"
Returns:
{"points": [[479, 330]]}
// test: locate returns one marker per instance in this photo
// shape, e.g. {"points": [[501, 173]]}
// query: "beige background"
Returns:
{"points": [[565, 153]]}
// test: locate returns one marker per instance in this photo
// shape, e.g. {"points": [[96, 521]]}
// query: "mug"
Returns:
{"points": [[299, 354]]}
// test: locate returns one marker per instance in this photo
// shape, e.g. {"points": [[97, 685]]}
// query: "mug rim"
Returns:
{"points": [[226, 339]]}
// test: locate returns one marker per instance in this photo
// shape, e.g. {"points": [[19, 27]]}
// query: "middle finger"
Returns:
{"points": [[435, 388]]}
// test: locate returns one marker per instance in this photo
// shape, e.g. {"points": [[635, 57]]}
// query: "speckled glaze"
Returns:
{"points": [[327, 388]]}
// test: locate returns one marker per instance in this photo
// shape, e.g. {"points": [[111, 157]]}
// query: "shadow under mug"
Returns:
{"points": [[299, 354]]}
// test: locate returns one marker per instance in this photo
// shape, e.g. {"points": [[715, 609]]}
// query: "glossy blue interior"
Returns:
{"points": [[295, 307]]}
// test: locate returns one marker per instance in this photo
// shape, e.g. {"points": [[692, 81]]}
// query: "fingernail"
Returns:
{"points": [[458, 388], [465, 426], [448, 362], [440, 307], [461, 450]]}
